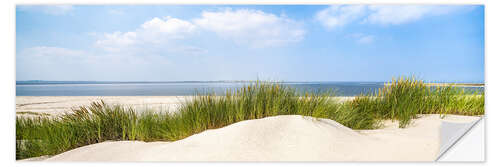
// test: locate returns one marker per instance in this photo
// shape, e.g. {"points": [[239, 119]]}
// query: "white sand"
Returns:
{"points": [[281, 138], [55, 105]]}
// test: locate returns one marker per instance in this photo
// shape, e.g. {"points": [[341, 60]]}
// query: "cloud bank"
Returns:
{"points": [[341, 15], [154, 31], [246, 27], [252, 27]]}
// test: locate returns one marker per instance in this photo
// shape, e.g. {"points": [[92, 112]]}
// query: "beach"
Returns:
{"points": [[277, 138], [56, 105]]}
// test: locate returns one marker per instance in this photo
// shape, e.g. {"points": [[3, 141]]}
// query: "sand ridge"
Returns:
{"points": [[281, 138]]}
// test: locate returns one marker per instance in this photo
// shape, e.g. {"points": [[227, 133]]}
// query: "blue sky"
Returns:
{"points": [[272, 42]]}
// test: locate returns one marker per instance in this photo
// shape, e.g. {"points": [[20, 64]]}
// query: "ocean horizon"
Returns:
{"points": [[179, 88]]}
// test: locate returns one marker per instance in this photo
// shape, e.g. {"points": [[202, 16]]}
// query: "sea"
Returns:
{"points": [[181, 88]]}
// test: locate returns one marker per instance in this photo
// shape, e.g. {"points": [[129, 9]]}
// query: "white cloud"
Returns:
{"points": [[247, 27], [340, 15], [252, 27], [362, 38], [169, 27], [397, 14], [56, 63], [154, 31], [59, 56], [47, 9], [45, 54], [337, 16], [117, 40], [46, 51]]}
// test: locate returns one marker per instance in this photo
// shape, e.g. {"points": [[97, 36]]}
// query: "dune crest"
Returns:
{"points": [[281, 138]]}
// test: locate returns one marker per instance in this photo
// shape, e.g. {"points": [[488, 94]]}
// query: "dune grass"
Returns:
{"points": [[403, 99]]}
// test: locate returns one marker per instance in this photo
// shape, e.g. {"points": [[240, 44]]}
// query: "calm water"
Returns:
{"points": [[45, 88]]}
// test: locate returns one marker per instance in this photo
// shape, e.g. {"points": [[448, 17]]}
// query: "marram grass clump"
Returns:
{"points": [[405, 98], [402, 100]]}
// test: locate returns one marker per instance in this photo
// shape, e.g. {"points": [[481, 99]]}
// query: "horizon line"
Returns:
{"points": [[177, 81]]}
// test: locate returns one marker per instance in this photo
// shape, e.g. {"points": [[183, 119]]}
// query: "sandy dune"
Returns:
{"points": [[282, 138]]}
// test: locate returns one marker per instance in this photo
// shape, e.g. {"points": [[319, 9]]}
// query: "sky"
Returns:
{"points": [[249, 42]]}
